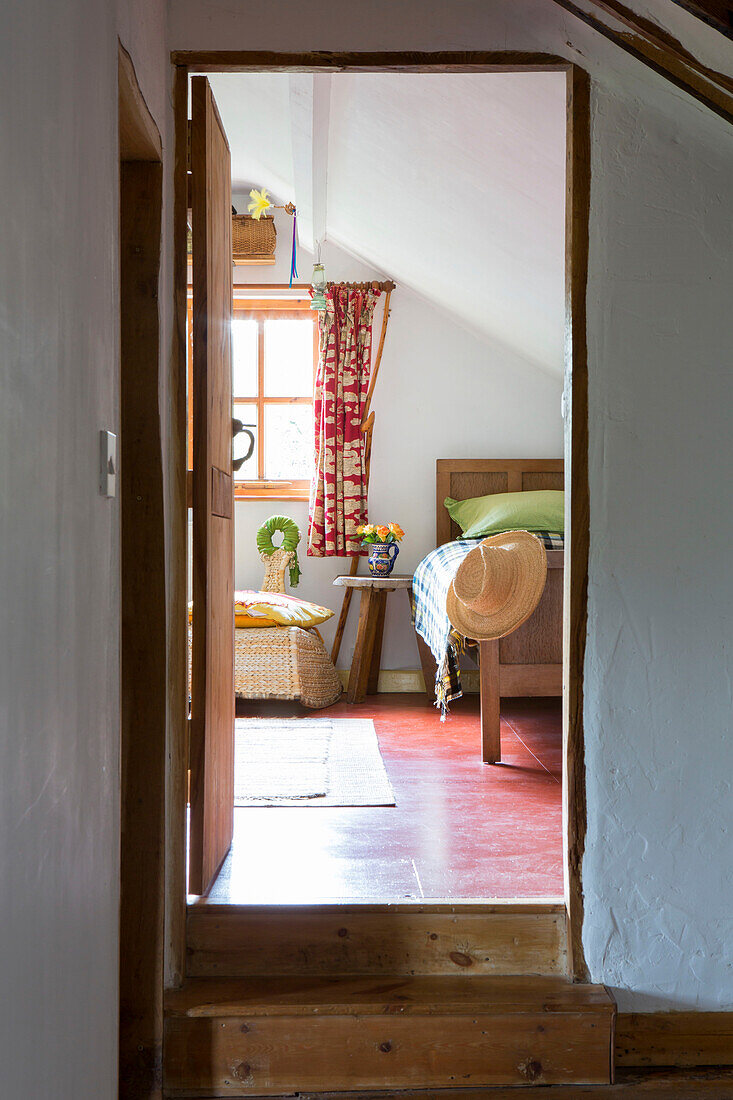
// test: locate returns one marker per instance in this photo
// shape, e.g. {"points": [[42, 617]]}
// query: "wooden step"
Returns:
{"points": [[257, 1036], [409, 939]]}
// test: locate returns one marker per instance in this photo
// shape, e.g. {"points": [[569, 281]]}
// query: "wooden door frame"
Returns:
{"points": [[576, 433], [143, 613]]}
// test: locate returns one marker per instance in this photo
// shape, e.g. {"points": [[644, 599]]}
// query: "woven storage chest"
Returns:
{"points": [[253, 242], [282, 662]]}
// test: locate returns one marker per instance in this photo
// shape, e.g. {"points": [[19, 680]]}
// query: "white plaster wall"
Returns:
{"points": [[442, 392], [659, 665], [659, 892], [59, 563], [475, 227]]}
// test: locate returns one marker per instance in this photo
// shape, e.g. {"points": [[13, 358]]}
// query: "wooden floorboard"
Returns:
{"points": [[241, 1037], [654, 1085], [460, 830], [711, 1084], [423, 995]]}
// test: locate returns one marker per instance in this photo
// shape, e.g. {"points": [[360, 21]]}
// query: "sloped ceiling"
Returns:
{"points": [[452, 184]]}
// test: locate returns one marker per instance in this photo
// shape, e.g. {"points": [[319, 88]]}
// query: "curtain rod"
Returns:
{"points": [[374, 285], [271, 286]]}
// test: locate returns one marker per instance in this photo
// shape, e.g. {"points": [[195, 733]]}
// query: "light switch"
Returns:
{"points": [[107, 463]]}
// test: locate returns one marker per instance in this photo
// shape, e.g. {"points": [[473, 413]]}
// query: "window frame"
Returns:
{"points": [[261, 309]]}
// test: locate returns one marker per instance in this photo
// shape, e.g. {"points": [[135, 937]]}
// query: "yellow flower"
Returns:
{"points": [[260, 203], [360, 529], [396, 530], [383, 531], [369, 529]]}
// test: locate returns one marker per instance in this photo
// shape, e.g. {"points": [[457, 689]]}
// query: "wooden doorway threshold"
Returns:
{"points": [[482, 938]]}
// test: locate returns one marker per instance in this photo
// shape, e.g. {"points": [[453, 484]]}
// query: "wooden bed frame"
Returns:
{"points": [[528, 661]]}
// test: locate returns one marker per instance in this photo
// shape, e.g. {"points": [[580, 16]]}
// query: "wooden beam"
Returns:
{"points": [[143, 664], [658, 50], [139, 137], [663, 40], [452, 61], [682, 1039], [718, 14], [577, 503]]}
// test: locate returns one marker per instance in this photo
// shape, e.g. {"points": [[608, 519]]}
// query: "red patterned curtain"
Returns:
{"points": [[338, 498]]}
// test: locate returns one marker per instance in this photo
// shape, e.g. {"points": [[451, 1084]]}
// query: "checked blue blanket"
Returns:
{"points": [[430, 586]]}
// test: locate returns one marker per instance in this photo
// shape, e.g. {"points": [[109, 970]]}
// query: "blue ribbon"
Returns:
{"points": [[293, 255]]}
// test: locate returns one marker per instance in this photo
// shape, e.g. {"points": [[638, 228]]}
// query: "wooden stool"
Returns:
{"points": [[364, 674]]}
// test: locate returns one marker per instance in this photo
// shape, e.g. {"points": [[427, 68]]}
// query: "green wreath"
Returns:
{"points": [[291, 538]]}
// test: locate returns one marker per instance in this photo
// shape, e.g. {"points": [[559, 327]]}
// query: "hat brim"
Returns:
{"points": [[530, 563]]}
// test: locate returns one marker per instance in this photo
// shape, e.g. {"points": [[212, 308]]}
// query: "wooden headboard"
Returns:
{"points": [[462, 478]]}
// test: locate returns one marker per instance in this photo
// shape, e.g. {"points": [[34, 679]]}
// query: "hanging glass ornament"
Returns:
{"points": [[318, 282]]}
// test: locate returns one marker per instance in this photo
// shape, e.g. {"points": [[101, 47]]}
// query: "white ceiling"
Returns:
{"points": [[452, 184]]}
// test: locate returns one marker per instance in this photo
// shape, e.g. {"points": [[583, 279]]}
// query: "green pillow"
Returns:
{"points": [[537, 510]]}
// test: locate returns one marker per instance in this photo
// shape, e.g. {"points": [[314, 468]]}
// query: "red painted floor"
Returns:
{"points": [[460, 830]]}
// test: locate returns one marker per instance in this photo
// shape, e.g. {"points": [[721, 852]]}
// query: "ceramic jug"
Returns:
{"points": [[382, 556]]}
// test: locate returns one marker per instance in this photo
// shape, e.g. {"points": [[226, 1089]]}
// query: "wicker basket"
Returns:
{"points": [[253, 242]]}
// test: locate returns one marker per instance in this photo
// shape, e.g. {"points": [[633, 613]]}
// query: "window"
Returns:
{"points": [[274, 357]]}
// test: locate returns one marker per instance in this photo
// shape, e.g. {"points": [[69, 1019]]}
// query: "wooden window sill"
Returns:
{"points": [[273, 491]]}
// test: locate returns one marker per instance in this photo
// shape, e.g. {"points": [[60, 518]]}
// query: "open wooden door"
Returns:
{"points": [[212, 686]]}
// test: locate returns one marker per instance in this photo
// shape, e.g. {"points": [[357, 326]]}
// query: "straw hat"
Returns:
{"points": [[497, 586]]}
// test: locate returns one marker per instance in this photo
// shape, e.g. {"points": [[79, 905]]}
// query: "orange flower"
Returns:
{"points": [[396, 530], [383, 531], [360, 529]]}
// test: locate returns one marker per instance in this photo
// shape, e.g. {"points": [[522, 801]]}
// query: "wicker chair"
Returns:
{"points": [[283, 662], [275, 567]]}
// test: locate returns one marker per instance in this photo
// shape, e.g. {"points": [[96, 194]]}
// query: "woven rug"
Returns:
{"points": [[309, 762]]}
